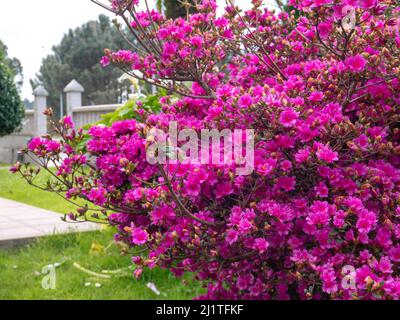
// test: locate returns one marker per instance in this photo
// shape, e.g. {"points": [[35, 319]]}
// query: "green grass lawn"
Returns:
{"points": [[14, 187], [20, 268], [21, 272]]}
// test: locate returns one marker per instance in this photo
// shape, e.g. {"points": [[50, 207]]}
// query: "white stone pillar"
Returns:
{"points": [[74, 96], [40, 105]]}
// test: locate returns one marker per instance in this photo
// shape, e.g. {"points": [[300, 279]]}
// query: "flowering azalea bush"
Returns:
{"points": [[319, 217]]}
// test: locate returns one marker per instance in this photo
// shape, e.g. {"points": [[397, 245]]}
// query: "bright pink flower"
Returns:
{"points": [[301, 256], [245, 226], [325, 28], [286, 183], [319, 213], [105, 61], [366, 221], [288, 117], [139, 236], [221, 22], [223, 189], [266, 167], [395, 254], [53, 146], [36, 144], [302, 155], [383, 237], [356, 63], [138, 273], [286, 165], [365, 255], [319, 3], [14, 169], [245, 101], [232, 236], [362, 142], [316, 96], [193, 188], [367, 4], [385, 266], [325, 153], [285, 141], [132, 196], [261, 245], [68, 123], [162, 214], [244, 281], [98, 196], [329, 283], [321, 190], [196, 41]]}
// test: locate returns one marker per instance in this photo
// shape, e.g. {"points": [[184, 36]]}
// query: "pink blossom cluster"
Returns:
{"points": [[325, 193]]}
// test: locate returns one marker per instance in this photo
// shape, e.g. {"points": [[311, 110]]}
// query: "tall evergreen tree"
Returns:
{"points": [[77, 57], [11, 109], [13, 64], [175, 8]]}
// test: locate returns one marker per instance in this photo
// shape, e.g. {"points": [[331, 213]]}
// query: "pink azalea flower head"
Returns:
{"points": [[288, 117], [329, 281], [261, 245], [139, 236], [286, 183], [356, 63], [193, 187], [325, 153], [319, 213], [245, 101], [98, 196], [316, 96], [68, 123], [367, 4], [36, 144], [302, 155], [232, 236], [105, 61]]}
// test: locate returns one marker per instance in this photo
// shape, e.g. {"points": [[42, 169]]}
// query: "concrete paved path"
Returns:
{"points": [[20, 222]]}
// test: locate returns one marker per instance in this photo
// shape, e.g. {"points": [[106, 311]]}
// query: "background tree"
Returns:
{"points": [[11, 109], [13, 64], [179, 8], [77, 57], [175, 8]]}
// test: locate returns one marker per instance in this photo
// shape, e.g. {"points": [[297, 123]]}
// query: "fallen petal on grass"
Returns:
{"points": [[153, 288]]}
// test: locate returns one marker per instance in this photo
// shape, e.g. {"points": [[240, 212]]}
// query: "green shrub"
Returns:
{"points": [[11, 109]]}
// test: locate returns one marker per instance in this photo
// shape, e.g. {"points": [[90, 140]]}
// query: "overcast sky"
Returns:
{"points": [[30, 28]]}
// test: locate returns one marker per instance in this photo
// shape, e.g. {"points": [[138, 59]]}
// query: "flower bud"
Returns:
{"points": [[138, 273]]}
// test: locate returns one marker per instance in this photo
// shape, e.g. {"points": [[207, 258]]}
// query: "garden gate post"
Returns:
{"points": [[40, 105], [74, 92]]}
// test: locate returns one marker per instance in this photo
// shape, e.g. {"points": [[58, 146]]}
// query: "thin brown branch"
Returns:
{"points": [[176, 199]]}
